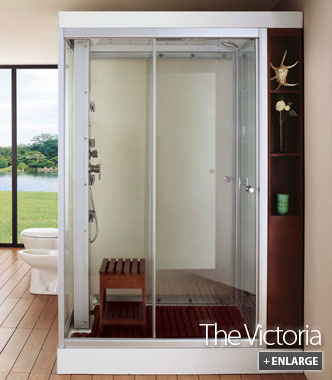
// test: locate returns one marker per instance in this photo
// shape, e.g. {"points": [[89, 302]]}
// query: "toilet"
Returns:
{"points": [[42, 255], [40, 238], [44, 269]]}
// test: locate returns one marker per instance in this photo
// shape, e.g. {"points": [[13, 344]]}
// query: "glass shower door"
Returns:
{"points": [[247, 190]]}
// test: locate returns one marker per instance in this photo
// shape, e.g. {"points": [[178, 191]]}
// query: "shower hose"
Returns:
{"points": [[92, 240]]}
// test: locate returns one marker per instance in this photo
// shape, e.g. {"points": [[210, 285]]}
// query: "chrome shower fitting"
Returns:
{"points": [[92, 215], [92, 106], [95, 169], [93, 153], [91, 179], [229, 44]]}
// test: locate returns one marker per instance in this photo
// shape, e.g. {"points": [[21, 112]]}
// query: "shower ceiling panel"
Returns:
{"points": [[167, 44]]}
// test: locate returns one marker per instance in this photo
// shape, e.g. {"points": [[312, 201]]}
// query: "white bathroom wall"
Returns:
{"points": [[186, 178], [121, 89], [222, 111]]}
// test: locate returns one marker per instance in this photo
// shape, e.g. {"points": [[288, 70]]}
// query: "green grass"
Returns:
{"points": [[8, 169], [35, 209]]}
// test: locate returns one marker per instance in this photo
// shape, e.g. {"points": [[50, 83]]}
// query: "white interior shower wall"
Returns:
{"points": [[120, 88]]}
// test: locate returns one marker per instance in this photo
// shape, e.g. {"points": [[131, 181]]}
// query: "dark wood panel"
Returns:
{"points": [[286, 175], [285, 270]]}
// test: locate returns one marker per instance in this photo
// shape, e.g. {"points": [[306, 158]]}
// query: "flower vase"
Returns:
{"points": [[281, 134]]}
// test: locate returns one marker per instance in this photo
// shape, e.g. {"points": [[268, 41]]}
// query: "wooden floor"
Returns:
{"points": [[28, 333]]}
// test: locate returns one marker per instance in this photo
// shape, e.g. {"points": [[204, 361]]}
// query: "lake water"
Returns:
{"points": [[47, 182]]}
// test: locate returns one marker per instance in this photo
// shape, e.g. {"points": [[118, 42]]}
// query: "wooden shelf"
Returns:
{"points": [[281, 91], [285, 216], [286, 176], [285, 154]]}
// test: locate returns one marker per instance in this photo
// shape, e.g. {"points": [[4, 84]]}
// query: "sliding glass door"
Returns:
{"points": [[247, 188], [206, 186], [28, 150]]}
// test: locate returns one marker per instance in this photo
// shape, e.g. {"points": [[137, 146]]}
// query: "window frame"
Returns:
{"points": [[13, 68]]}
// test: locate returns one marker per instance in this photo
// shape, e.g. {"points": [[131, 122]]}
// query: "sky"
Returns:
{"points": [[36, 104]]}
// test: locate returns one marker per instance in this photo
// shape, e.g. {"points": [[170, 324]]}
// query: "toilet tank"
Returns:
{"points": [[40, 238]]}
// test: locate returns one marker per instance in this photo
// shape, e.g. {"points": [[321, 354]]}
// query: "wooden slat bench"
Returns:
{"points": [[121, 274]]}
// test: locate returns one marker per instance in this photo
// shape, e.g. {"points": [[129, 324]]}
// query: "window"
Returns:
{"points": [[5, 157], [28, 150]]}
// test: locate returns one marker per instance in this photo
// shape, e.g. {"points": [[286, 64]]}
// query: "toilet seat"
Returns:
{"points": [[40, 238], [44, 269], [40, 232]]}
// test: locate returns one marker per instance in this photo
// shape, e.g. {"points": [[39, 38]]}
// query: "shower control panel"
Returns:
{"points": [[93, 168]]}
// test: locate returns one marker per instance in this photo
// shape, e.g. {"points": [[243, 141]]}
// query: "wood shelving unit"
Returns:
{"points": [[286, 176]]}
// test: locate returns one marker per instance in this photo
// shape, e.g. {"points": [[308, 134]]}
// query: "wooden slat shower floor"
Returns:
{"points": [[171, 321]]}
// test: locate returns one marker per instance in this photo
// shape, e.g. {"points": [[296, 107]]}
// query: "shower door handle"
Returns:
{"points": [[249, 189], [244, 182]]}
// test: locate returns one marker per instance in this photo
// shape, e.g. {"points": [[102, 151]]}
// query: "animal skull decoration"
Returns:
{"points": [[281, 73]]}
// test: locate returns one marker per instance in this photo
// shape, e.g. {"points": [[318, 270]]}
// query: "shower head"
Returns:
{"points": [[229, 44]]}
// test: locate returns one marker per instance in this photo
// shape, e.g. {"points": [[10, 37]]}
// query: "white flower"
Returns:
{"points": [[280, 106], [287, 108]]}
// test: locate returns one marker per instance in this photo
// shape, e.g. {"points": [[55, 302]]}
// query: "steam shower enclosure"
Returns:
{"points": [[163, 189]]}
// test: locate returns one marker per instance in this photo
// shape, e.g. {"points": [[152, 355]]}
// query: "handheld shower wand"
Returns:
{"points": [[93, 217]]}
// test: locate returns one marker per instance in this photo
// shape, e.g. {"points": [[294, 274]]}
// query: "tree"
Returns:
{"points": [[42, 138], [3, 162], [41, 152], [6, 151], [49, 148], [35, 159], [46, 144], [53, 162], [22, 166]]}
